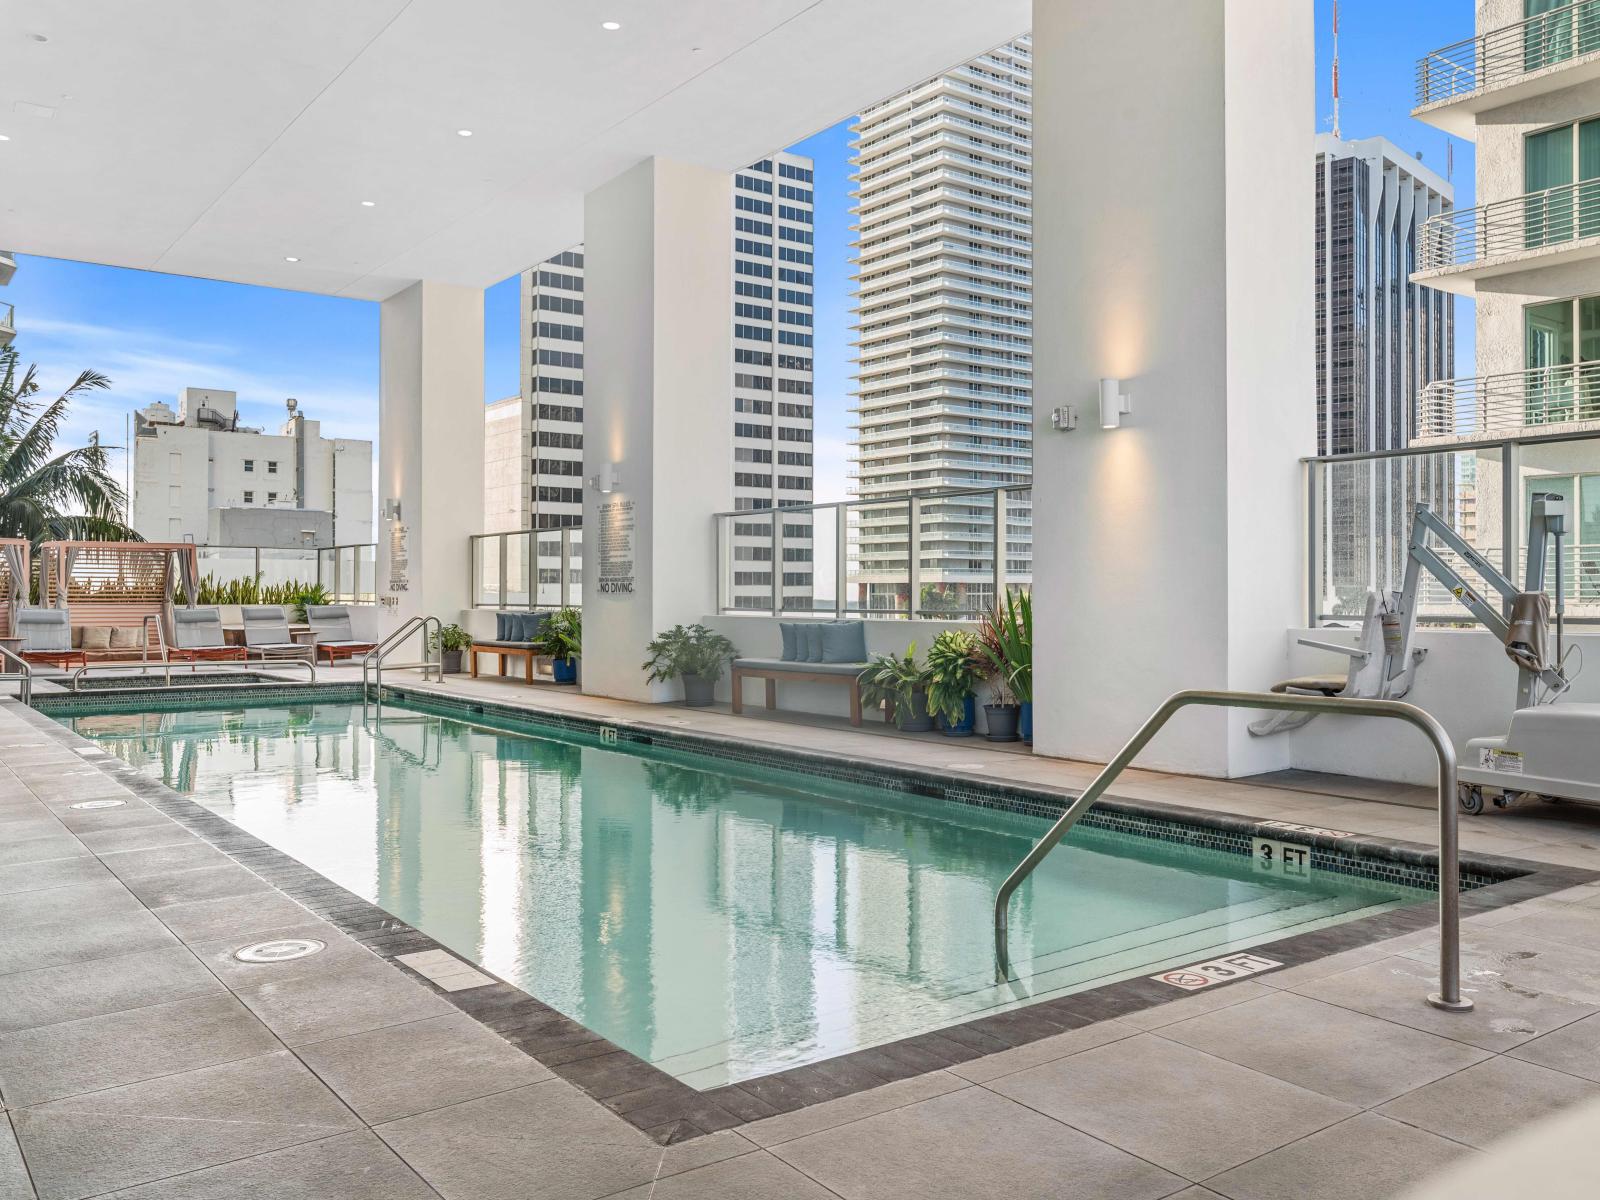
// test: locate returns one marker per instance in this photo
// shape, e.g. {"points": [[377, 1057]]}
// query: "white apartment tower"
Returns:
{"points": [[199, 475], [769, 389], [1526, 90], [944, 328]]}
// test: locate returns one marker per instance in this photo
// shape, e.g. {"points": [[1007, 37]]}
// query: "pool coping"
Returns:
{"points": [[668, 1110]]}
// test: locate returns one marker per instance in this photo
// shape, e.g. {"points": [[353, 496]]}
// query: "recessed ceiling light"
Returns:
{"points": [[5, 137], [37, 37], [463, 133], [610, 24], [290, 258], [368, 203]]}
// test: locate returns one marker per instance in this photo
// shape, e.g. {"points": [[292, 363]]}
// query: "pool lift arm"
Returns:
{"points": [[1551, 751]]}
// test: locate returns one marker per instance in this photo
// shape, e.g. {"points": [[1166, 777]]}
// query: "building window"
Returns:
{"points": [[272, 467], [249, 466], [250, 497], [272, 497]]}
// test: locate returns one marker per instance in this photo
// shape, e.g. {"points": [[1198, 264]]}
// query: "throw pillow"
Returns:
{"points": [[127, 638], [787, 629], [844, 642], [502, 626], [813, 635], [97, 637]]}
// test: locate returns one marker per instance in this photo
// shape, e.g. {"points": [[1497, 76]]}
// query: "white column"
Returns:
{"points": [[430, 448], [1173, 242], [657, 411]]}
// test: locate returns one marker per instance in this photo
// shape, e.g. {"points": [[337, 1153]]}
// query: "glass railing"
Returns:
{"points": [[1361, 508], [931, 554], [528, 569], [347, 573]]}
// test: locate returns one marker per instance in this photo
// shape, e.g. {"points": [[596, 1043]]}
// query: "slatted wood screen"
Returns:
{"points": [[111, 583]]}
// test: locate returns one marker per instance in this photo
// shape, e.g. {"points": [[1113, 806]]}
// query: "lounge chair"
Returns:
{"points": [[197, 637], [266, 634], [330, 625], [46, 637]]}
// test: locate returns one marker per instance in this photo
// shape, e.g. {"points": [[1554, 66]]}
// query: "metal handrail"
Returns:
{"points": [[433, 660], [1508, 53], [197, 670], [1449, 995], [24, 674], [1510, 400], [1554, 216]]}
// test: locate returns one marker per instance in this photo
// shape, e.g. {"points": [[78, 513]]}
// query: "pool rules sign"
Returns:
{"points": [[616, 548]]}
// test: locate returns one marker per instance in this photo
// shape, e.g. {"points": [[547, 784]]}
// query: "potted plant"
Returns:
{"points": [[316, 595], [561, 637], [694, 654], [901, 685], [954, 669], [450, 641], [1005, 641]]}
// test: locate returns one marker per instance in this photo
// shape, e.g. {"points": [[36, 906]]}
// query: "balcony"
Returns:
{"points": [[1555, 400], [8, 323], [1549, 228], [1535, 57]]}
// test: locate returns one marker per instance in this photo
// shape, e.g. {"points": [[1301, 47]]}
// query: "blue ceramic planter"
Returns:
{"points": [[564, 670], [963, 727]]}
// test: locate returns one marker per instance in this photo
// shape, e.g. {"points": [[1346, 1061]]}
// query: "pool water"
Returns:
{"points": [[721, 922]]}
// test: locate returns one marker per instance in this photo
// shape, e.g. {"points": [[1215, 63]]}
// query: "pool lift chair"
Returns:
{"points": [[1551, 750], [1380, 668]]}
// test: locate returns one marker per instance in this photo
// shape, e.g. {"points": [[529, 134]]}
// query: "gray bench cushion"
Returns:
{"points": [[500, 645], [44, 629], [777, 666]]}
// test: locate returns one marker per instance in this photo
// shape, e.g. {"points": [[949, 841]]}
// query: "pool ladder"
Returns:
{"points": [[23, 674], [1448, 996], [372, 662]]}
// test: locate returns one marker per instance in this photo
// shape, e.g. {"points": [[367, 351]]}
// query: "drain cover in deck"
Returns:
{"points": [[98, 804], [282, 950]]}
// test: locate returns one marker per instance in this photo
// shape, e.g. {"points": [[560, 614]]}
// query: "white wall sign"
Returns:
{"points": [[1281, 858], [616, 548], [399, 557], [1217, 970]]}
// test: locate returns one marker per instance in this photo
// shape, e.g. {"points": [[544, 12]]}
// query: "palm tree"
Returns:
{"points": [[45, 495]]}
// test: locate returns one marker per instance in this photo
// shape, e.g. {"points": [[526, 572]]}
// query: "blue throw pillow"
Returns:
{"points": [[502, 626], [844, 642], [813, 638], [787, 629], [533, 626]]}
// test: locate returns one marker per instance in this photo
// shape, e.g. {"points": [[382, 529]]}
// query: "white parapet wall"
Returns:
{"points": [[1466, 681]]}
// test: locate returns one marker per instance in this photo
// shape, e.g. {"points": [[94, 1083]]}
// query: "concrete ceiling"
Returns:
{"points": [[210, 138]]}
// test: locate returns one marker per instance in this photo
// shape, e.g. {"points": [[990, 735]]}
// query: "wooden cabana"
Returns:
{"points": [[117, 585], [15, 568]]}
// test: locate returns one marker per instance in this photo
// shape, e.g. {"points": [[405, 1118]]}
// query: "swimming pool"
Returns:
{"points": [[720, 921]]}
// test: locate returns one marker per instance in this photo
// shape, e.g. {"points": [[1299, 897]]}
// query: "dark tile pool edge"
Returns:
{"points": [[668, 1110]]}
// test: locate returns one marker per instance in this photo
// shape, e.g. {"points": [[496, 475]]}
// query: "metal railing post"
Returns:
{"points": [[1448, 996], [841, 559], [500, 594], [564, 592], [1510, 514], [1001, 539], [913, 555], [1313, 543], [777, 562]]}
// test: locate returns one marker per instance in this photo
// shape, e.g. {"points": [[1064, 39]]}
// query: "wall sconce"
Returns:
{"points": [[608, 481], [1114, 403], [391, 510], [1064, 418]]}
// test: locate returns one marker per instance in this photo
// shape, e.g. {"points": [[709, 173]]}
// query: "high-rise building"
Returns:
{"points": [[770, 388], [944, 327], [1380, 339], [199, 475]]}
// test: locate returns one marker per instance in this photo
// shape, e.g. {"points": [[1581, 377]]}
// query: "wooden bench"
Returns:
{"points": [[527, 651], [774, 669]]}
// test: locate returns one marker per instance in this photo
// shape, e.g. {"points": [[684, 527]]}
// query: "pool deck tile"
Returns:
{"points": [[373, 1081]]}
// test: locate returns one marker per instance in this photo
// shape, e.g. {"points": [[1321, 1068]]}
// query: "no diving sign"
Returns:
{"points": [[1217, 970]]}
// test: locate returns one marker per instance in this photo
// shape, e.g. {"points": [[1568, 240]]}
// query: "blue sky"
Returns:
{"points": [[155, 334]]}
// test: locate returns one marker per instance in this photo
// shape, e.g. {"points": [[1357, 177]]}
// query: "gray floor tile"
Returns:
{"points": [[1184, 1110], [1348, 1055], [1513, 1000], [1321, 968], [204, 883], [52, 873], [802, 1121], [757, 1176], [332, 1004], [140, 837], [123, 1137], [340, 952], [1194, 1003], [1365, 1158], [14, 1183], [102, 985], [40, 848], [71, 1057], [1032, 1054], [231, 916], [81, 900], [1572, 925], [69, 938], [347, 1166], [396, 1072], [1490, 1100], [131, 814], [1573, 1048], [158, 860], [703, 1151], [971, 1143], [483, 1149]]}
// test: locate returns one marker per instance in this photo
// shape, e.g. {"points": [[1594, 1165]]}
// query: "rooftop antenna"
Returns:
{"points": [[1337, 135]]}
